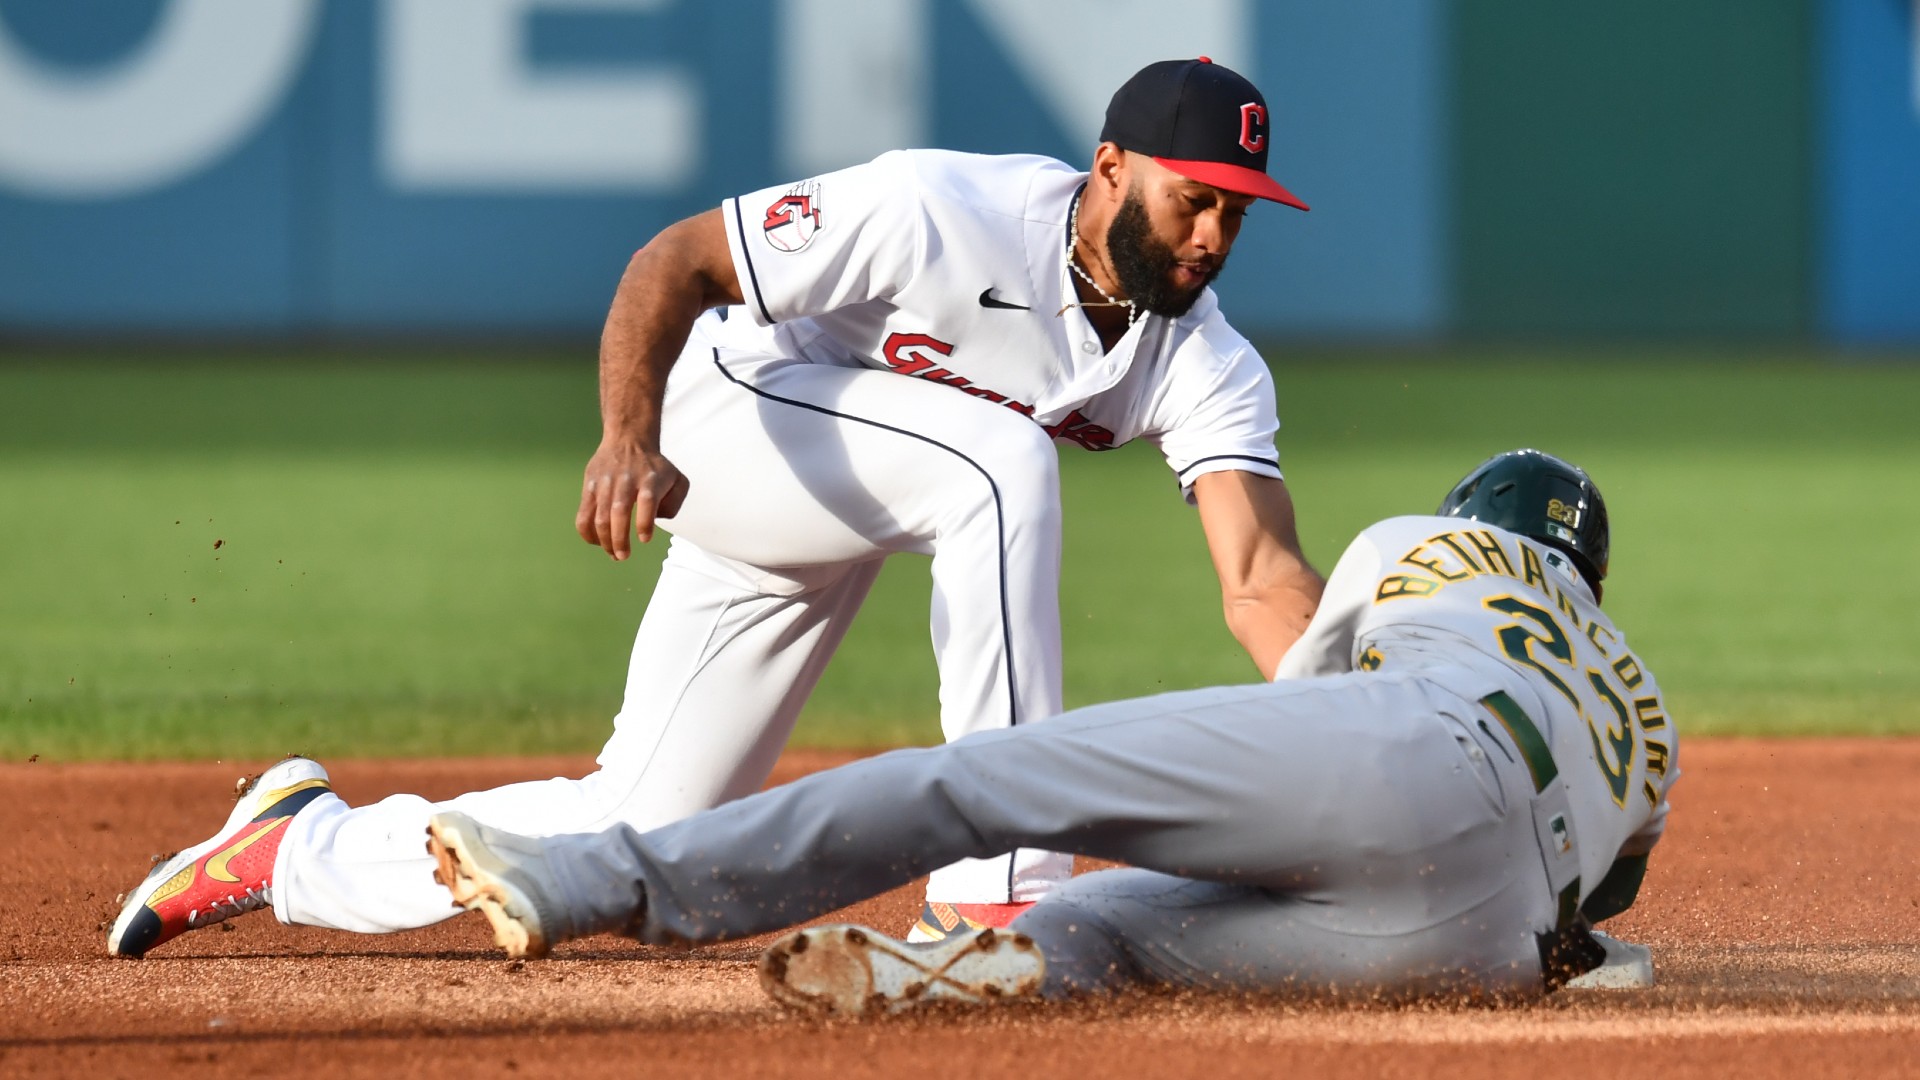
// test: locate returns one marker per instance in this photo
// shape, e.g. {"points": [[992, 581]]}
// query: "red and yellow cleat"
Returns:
{"points": [[231, 874], [938, 921]]}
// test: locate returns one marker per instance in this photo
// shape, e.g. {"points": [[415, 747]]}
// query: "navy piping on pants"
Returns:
{"points": [[999, 518]]}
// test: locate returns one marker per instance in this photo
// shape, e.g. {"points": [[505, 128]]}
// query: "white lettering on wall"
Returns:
{"points": [[855, 77], [460, 108], [853, 81], [205, 78], [463, 110], [1076, 53]]}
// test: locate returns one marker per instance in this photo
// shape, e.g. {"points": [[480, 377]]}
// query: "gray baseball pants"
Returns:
{"points": [[1352, 834]]}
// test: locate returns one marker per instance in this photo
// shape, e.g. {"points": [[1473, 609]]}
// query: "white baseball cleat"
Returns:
{"points": [[854, 971], [1628, 967], [500, 875]]}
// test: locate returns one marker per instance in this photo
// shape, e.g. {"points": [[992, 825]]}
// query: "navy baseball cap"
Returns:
{"points": [[1200, 119]]}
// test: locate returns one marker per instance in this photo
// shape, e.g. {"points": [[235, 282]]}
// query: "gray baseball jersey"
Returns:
{"points": [[1412, 590], [1468, 746]]}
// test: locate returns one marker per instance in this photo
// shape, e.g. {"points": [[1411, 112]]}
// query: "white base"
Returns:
{"points": [[1627, 967]]}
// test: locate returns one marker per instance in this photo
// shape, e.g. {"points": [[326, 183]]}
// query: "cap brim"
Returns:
{"points": [[1235, 178]]}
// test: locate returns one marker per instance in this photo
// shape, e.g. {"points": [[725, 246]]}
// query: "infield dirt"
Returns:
{"points": [[1784, 913]]}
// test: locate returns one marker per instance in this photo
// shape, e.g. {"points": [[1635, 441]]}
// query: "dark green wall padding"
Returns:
{"points": [[1635, 167]]}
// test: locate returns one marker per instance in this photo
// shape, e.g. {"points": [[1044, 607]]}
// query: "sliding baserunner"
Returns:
{"points": [[1463, 767]]}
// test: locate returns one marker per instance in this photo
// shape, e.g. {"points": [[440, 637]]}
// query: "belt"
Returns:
{"points": [[1568, 950], [1526, 737]]}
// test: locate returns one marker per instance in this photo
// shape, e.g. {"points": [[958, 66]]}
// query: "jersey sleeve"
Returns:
{"points": [[1230, 425], [1326, 648], [839, 239]]}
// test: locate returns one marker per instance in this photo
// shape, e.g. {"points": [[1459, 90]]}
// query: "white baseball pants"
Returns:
{"points": [[803, 478]]}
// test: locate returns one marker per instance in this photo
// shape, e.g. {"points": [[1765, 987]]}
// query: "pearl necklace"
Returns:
{"points": [[1073, 263]]}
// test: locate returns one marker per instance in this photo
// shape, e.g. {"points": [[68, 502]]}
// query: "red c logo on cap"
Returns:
{"points": [[1253, 127]]}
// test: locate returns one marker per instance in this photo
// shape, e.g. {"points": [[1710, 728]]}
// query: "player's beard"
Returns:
{"points": [[1143, 265]]}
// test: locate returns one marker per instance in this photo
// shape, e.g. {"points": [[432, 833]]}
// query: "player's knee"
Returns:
{"points": [[1085, 955], [1025, 471], [1008, 482]]}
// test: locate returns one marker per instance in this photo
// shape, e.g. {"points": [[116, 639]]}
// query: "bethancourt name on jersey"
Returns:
{"points": [[1449, 557], [1467, 554]]}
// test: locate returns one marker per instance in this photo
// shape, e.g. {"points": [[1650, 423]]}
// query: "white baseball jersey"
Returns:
{"points": [[905, 330], [953, 268], [1413, 591]]}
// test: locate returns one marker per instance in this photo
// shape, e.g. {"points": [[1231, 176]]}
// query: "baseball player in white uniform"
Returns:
{"points": [[1463, 764], [810, 378]]}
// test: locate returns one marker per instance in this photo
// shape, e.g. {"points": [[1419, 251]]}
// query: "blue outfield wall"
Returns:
{"points": [[1869, 272], [464, 166]]}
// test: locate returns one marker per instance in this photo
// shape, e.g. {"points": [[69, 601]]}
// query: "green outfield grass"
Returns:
{"points": [[396, 571]]}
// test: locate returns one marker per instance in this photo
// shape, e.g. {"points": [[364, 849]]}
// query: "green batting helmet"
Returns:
{"points": [[1540, 496]]}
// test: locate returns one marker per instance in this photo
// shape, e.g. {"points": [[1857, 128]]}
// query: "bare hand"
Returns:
{"points": [[625, 488]]}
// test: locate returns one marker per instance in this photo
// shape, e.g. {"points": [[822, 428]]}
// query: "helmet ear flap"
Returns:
{"points": [[1541, 497]]}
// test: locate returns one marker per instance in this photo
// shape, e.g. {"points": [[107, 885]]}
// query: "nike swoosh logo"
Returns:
{"points": [[217, 866], [987, 301]]}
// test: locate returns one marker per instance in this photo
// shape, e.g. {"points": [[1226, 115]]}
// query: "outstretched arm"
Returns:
{"points": [[682, 272], [1268, 590]]}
